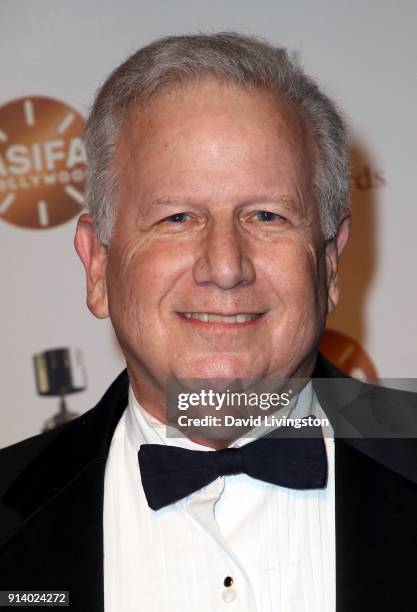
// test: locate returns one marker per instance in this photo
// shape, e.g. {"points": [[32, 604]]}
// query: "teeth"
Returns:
{"points": [[241, 318], [214, 318]]}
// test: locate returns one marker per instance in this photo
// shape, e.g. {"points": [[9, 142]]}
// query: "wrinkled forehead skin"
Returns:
{"points": [[143, 138]]}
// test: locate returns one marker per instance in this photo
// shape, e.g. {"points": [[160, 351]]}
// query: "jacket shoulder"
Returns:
{"points": [[34, 470], [16, 457]]}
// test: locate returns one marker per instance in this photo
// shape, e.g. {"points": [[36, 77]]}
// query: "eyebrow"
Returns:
{"points": [[289, 203], [166, 201], [159, 202]]}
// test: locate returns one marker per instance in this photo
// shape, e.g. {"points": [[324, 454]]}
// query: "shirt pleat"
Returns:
{"points": [[276, 544]]}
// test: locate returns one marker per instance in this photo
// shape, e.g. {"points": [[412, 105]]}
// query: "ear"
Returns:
{"points": [[334, 249], [94, 257]]}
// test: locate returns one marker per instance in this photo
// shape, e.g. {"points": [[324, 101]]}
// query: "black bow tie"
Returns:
{"points": [[170, 473]]}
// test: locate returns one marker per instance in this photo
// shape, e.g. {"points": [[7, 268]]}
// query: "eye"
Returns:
{"points": [[177, 218], [267, 216]]}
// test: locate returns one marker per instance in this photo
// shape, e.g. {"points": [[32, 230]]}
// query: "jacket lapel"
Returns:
{"points": [[60, 547], [376, 535], [57, 507], [376, 501]]}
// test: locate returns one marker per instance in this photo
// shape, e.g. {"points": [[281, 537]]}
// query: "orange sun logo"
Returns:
{"points": [[42, 162], [347, 355]]}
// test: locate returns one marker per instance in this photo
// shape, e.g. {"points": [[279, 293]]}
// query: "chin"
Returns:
{"points": [[227, 366]]}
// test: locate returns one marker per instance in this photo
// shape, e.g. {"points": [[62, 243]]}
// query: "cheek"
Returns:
{"points": [[294, 273], [139, 279]]}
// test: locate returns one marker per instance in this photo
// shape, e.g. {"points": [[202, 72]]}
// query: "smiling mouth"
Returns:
{"points": [[208, 317]]}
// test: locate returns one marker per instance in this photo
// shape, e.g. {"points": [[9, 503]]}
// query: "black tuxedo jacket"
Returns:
{"points": [[52, 485]]}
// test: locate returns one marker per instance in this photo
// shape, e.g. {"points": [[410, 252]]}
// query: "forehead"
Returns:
{"points": [[215, 130]]}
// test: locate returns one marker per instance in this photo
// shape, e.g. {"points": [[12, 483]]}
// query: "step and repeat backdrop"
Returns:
{"points": [[53, 56]]}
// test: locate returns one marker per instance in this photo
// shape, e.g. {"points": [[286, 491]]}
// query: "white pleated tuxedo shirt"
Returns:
{"points": [[274, 547]]}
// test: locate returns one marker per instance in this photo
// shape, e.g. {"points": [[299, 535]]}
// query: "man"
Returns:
{"points": [[218, 209]]}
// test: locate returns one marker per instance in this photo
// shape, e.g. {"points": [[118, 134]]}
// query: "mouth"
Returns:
{"points": [[241, 318]]}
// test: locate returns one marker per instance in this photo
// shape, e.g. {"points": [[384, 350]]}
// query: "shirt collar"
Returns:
{"points": [[143, 428]]}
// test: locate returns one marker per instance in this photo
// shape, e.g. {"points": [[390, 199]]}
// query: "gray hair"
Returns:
{"points": [[244, 60]]}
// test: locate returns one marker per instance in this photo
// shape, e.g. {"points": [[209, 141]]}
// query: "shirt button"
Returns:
{"points": [[229, 595]]}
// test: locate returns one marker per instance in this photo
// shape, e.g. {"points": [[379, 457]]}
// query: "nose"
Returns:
{"points": [[223, 259]]}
